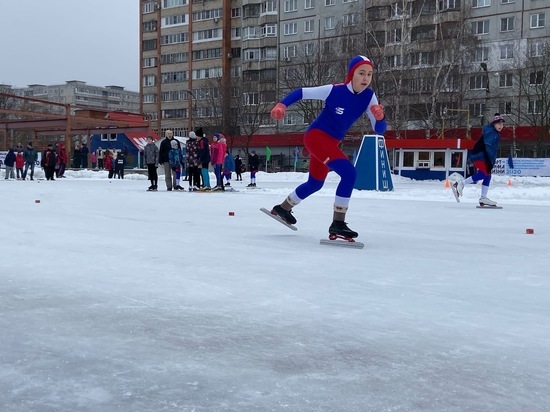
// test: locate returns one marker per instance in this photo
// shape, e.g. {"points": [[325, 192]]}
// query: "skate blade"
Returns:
{"points": [[278, 219], [342, 243], [488, 207], [455, 192]]}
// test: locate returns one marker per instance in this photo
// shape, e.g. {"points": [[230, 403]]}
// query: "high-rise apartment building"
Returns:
{"points": [[440, 64]]}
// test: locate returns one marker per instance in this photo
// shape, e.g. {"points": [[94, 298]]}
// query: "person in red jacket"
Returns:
{"points": [[19, 164], [61, 160]]}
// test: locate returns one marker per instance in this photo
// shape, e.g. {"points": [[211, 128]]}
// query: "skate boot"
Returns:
{"points": [[340, 230], [286, 215], [485, 201]]}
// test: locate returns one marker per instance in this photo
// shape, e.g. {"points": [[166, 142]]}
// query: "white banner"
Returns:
{"points": [[523, 166]]}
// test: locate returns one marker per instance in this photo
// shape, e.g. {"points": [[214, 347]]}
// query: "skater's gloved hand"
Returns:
{"points": [[278, 112], [377, 111]]}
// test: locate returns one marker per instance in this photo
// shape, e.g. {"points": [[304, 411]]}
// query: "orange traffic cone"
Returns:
{"points": [[447, 184]]}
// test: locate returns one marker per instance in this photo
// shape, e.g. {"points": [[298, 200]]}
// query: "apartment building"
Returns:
{"points": [[80, 94], [441, 65]]}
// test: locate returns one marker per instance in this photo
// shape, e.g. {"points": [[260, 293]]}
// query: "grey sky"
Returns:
{"points": [[50, 42]]}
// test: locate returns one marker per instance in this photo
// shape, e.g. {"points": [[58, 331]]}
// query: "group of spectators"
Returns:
{"points": [[192, 161]]}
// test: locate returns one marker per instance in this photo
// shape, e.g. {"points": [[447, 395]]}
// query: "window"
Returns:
{"points": [[537, 49], [536, 78], [289, 120], [149, 62], [309, 26], [505, 107], [350, 20], [268, 53], [251, 55], [269, 30], [309, 4], [174, 38], [507, 24], [535, 107], [537, 20], [310, 49], [251, 99], [290, 29], [477, 109], [149, 80], [176, 20], [478, 82], [507, 1], [150, 26], [408, 159], [330, 23], [149, 44], [289, 52], [269, 6], [439, 159], [290, 5], [480, 27], [108, 137], [481, 3], [448, 4], [167, 4], [251, 32], [481, 54], [330, 2], [505, 80], [506, 52], [174, 77], [456, 159], [148, 7], [393, 36], [150, 98]]}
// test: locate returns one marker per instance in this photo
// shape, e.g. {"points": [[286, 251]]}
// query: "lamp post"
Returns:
{"points": [[483, 66], [190, 97]]}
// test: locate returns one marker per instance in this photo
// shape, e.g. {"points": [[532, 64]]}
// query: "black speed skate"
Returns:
{"points": [[286, 215], [340, 230]]}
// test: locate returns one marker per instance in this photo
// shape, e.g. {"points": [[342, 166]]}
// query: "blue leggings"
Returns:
{"points": [[343, 168]]}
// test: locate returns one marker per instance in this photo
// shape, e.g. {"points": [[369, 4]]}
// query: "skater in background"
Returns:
{"points": [[238, 168], [228, 167], [151, 158], [109, 163], [253, 165], [193, 163], [344, 104], [483, 156]]}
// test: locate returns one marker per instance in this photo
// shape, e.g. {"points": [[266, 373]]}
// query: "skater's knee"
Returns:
{"points": [[344, 169]]}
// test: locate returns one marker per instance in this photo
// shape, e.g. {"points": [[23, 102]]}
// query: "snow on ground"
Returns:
{"points": [[114, 298]]}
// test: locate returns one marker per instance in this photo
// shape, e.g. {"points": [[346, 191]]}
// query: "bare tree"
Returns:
{"points": [[532, 74]]}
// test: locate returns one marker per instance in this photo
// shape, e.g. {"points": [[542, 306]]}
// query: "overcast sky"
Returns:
{"points": [[50, 42]]}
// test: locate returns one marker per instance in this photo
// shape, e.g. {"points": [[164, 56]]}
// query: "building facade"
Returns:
{"points": [[443, 67]]}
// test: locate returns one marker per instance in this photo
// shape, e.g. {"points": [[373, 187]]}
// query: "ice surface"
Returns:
{"points": [[117, 299]]}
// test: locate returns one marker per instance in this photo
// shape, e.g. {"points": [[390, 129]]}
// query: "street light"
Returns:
{"points": [[190, 108]]}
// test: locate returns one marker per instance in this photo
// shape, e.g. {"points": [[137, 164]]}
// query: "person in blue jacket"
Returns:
{"points": [[344, 104], [483, 156]]}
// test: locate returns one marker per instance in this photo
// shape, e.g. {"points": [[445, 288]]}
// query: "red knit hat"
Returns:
{"points": [[355, 63]]}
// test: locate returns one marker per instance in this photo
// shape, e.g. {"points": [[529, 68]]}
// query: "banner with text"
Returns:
{"points": [[522, 167]]}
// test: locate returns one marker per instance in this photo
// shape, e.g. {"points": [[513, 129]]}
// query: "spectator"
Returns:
{"points": [[151, 158], [31, 156], [119, 165], [84, 151], [174, 158], [193, 163], [109, 163], [61, 160], [77, 156], [93, 159], [204, 158], [217, 154], [9, 162], [165, 147], [100, 158], [19, 164], [49, 160]]}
